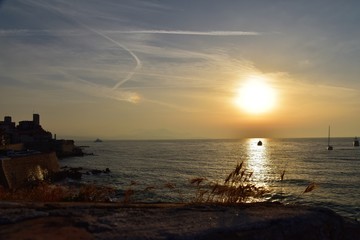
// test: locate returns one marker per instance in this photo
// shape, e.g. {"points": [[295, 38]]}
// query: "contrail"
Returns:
{"points": [[138, 62], [97, 90], [198, 33]]}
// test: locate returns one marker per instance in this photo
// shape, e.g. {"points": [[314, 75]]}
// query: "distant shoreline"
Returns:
{"points": [[205, 139]]}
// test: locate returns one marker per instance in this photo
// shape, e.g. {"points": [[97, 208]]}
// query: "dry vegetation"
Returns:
{"points": [[237, 188], [45, 192]]}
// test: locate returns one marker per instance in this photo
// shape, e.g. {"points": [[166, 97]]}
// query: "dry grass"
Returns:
{"points": [[282, 174], [128, 195], [92, 193], [42, 192], [237, 188], [310, 187], [45, 192]]}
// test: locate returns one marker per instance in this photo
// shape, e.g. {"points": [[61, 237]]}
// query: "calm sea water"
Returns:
{"points": [[157, 165]]}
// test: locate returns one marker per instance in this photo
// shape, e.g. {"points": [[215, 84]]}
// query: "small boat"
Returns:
{"points": [[259, 143], [329, 147], [356, 142], [98, 140]]}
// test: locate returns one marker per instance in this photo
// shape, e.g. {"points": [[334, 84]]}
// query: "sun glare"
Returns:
{"points": [[256, 96]]}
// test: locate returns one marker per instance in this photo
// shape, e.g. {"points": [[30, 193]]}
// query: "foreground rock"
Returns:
{"points": [[171, 221]]}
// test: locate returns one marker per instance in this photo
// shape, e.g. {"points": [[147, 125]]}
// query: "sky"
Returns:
{"points": [[162, 69]]}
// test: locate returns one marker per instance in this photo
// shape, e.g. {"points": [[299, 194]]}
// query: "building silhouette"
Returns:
{"points": [[31, 135]]}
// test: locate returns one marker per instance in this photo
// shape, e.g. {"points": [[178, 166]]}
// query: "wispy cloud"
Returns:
{"points": [[77, 32], [92, 89], [196, 33], [137, 60], [27, 32], [40, 32], [149, 61]]}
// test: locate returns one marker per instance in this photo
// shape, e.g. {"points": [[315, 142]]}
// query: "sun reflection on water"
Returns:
{"points": [[257, 159]]}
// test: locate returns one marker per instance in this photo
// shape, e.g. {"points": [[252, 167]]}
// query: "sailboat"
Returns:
{"points": [[356, 142], [329, 147]]}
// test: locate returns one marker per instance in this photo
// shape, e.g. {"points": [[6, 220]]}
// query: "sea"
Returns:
{"points": [[162, 170]]}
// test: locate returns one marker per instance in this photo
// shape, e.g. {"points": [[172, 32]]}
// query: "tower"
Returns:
{"points": [[36, 119], [7, 119]]}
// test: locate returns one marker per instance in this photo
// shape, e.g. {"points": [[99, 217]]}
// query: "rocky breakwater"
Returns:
{"points": [[171, 221]]}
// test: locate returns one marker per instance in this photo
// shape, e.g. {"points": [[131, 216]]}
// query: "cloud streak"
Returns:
{"points": [[99, 33], [69, 32], [38, 32], [173, 71], [196, 33], [137, 60], [97, 90]]}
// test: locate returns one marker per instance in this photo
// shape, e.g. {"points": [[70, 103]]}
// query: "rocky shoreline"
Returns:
{"points": [[171, 221]]}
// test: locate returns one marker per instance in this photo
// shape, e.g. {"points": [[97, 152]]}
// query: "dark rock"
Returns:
{"points": [[180, 221], [96, 171], [71, 173]]}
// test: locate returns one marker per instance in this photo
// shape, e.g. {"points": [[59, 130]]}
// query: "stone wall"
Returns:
{"points": [[15, 171], [14, 147], [67, 148]]}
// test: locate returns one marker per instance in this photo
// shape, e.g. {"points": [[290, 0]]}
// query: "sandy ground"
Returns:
{"points": [[171, 221]]}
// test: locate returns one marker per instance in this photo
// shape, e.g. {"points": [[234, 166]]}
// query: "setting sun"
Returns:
{"points": [[256, 96]]}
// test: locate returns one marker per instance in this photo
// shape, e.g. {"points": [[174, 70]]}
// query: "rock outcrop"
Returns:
{"points": [[172, 221]]}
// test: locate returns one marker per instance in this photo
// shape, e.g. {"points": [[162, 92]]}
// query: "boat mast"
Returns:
{"points": [[329, 147]]}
